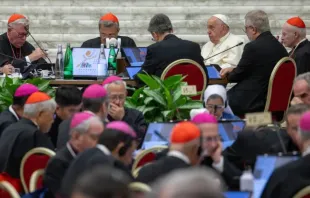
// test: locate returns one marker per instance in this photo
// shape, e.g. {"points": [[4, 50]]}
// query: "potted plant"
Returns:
{"points": [[9, 85], [162, 100]]}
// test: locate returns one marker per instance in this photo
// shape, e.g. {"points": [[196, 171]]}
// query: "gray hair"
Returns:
{"points": [[32, 110], [118, 82], [258, 19], [160, 23], [301, 31], [24, 22], [305, 77], [190, 182], [84, 126], [298, 109], [108, 24]]}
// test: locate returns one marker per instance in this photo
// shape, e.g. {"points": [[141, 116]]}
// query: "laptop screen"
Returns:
{"points": [[213, 73], [237, 194], [132, 71], [85, 61], [135, 55], [228, 129]]}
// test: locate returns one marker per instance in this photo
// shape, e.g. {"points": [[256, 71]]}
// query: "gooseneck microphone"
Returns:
{"points": [[241, 43], [43, 50]]}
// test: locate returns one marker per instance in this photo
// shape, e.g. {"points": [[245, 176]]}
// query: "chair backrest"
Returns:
{"points": [[36, 180], [34, 159], [7, 190], [280, 87], [146, 156], [195, 75], [139, 187], [303, 193]]}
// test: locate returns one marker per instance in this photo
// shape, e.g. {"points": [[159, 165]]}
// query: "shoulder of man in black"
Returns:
{"points": [[135, 119], [63, 133], [127, 41], [6, 119], [92, 43]]}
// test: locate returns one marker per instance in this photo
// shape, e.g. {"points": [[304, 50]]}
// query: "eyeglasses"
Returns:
{"points": [[211, 139], [215, 107], [117, 97], [21, 35], [246, 28]]}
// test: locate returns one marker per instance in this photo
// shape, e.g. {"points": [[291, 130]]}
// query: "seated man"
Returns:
{"points": [[16, 110], [294, 34], [68, 100], [27, 133], [85, 129], [287, 180], [95, 101], [13, 43], [301, 89], [108, 28], [115, 148], [220, 40], [212, 150], [183, 153], [258, 59], [117, 93], [168, 48]]}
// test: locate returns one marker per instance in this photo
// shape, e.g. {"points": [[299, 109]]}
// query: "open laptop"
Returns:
{"points": [[135, 55], [214, 71], [228, 129], [231, 194], [132, 71], [85, 62]]}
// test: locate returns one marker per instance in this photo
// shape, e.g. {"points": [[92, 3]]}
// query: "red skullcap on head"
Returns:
{"points": [[184, 132], [297, 22], [15, 17], [37, 97], [109, 17]]}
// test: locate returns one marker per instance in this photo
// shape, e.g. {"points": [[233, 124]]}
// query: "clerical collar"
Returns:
{"points": [[299, 43], [179, 155], [306, 152], [13, 112], [104, 149], [71, 150], [224, 37]]}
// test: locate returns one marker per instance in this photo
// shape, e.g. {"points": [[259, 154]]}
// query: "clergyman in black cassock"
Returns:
{"points": [[301, 55]]}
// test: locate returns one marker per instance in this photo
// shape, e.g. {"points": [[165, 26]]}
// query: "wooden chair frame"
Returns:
{"points": [[140, 187], [7, 187], [34, 179], [303, 192], [182, 61], [38, 150]]}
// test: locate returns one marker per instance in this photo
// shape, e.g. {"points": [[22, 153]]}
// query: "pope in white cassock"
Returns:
{"points": [[220, 40]]}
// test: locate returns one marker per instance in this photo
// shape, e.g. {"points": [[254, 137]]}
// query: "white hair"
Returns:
{"points": [[84, 126], [190, 182], [301, 31], [118, 82], [24, 22], [32, 110], [108, 24]]}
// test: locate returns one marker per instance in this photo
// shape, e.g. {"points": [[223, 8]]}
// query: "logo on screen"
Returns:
{"points": [[89, 55], [84, 65]]}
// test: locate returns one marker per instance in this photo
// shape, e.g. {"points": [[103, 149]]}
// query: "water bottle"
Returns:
{"points": [[68, 63], [247, 181], [112, 61], [102, 63], [59, 65]]}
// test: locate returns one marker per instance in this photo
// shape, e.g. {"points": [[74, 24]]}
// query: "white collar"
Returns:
{"points": [[179, 155], [104, 149], [300, 42], [224, 37], [71, 150], [13, 112], [306, 152]]}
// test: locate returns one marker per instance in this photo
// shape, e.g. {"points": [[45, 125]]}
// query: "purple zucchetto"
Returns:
{"points": [[25, 90], [304, 123], [121, 126], [111, 79], [204, 118], [94, 91], [78, 118]]}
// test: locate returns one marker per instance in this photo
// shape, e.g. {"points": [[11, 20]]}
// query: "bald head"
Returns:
{"points": [[292, 35], [216, 29]]}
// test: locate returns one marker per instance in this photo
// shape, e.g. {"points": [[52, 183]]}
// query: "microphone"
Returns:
{"points": [[241, 43]]}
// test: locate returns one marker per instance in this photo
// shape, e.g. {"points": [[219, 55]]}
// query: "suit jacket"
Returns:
{"points": [[301, 55], [252, 74], [287, 180], [96, 42], [53, 133], [63, 133], [57, 167], [159, 55], [6, 119], [163, 166]]}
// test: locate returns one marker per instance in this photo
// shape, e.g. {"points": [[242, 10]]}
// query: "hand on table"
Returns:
{"points": [[226, 71], [37, 54], [7, 69]]}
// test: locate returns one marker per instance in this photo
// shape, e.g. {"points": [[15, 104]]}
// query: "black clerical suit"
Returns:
{"points": [[7, 48], [301, 55], [159, 55], [96, 42], [6, 119], [63, 133], [86, 161], [57, 167], [16, 141], [288, 179], [163, 166], [252, 74], [53, 133]]}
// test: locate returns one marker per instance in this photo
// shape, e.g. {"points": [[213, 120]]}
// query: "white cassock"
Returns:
{"points": [[226, 59]]}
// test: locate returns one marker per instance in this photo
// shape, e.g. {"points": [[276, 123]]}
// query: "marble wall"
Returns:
{"points": [[74, 21]]}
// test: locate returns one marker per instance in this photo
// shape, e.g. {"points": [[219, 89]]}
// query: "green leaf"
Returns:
{"points": [[141, 108], [157, 96], [191, 105], [148, 109], [149, 81], [166, 92], [43, 85], [167, 113], [177, 94], [171, 80], [147, 100], [129, 104], [136, 94]]}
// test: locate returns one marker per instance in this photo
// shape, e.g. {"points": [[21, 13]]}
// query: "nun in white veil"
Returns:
{"points": [[216, 103]]}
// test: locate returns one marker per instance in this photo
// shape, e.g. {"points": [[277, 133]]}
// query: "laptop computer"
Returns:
{"points": [[132, 71], [135, 55], [214, 71], [228, 129], [231, 194]]}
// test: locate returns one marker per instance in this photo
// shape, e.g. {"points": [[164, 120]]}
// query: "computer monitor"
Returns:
{"points": [[135, 55], [132, 71], [85, 61], [213, 71], [228, 129]]}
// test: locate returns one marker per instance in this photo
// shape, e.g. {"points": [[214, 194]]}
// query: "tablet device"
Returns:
{"points": [[231, 194], [132, 71], [228, 129], [213, 71], [135, 55]]}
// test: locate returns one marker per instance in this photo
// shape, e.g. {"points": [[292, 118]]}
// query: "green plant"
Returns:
{"points": [[162, 100], [9, 85]]}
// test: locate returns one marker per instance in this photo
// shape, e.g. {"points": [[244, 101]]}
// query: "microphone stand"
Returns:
{"points": [[224, 51]]}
